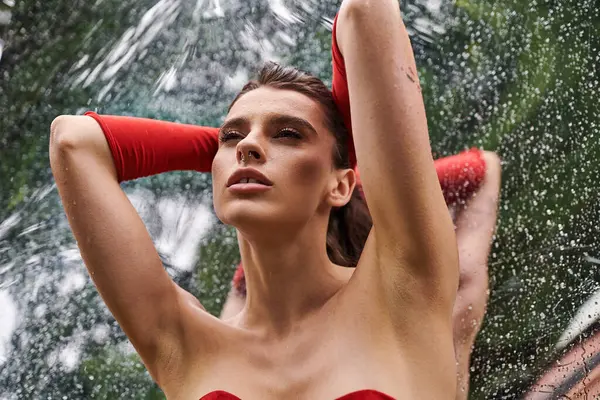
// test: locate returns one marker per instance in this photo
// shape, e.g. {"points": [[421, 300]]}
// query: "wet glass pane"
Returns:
{"points": [[516, 77]]}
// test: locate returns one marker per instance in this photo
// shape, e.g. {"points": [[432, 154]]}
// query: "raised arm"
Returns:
{"points": [[115, 245], [413, 231], [475, 227]]}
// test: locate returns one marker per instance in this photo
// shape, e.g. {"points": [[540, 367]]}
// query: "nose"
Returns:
{"points": [[250, 150]]}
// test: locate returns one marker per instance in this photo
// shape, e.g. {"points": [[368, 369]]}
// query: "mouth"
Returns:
{"points": [[248, 177]]}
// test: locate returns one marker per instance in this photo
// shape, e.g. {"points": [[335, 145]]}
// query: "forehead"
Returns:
{"points": [[268, 101]]}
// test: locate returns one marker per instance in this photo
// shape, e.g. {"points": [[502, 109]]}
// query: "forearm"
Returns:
{"points": [[476, 219]]}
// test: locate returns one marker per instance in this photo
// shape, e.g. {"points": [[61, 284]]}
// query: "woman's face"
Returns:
{"points": [[276, 139]]}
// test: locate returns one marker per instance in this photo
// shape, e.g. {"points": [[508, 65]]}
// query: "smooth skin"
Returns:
{"points": [[309, 330]]}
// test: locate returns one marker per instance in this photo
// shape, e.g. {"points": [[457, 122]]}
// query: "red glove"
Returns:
{"points": [[142, 147], [239, 281], [460, 175], [339, 89]]}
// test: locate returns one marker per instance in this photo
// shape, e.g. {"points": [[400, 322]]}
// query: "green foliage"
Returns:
{"points": [[119, 375], [516, 77], [219, 255]]}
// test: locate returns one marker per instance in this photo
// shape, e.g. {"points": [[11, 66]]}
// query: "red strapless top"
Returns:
{"points": [[360, 395]]}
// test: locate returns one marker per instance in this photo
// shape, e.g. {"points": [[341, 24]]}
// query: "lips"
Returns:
{"points": [[248, 176]]}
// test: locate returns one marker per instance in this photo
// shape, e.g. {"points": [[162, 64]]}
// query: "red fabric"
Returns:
{"points": [[339, 88], [359, 395], [219, 395], [366, 395], [142, 147], [239, 280], [460, 175]]}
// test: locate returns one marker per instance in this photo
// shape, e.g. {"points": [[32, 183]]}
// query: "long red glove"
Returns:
{"points": [[339, 89], [460, 175], [142, 147]]}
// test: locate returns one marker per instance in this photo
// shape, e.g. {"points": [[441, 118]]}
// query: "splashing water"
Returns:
{"points": [[516, 77]]}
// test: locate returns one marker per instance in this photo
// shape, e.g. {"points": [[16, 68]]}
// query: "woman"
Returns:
{"points": [[280, 170]]}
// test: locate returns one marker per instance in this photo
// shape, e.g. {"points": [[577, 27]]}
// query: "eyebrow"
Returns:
{"points": [[232, 123], [291, 120], [278, 119]]}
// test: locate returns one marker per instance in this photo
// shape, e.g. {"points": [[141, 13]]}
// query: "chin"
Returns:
{"points": [[250, 217], [245, 213]]}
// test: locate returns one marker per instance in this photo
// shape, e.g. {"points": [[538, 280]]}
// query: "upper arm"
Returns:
{"points": [[114, 243], [475, 226], [411, 224]]}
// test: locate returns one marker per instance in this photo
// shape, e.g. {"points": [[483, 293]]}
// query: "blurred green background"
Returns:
{"points": [[520, 78]]}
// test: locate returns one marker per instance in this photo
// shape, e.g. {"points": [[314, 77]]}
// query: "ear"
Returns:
{"points": [[342, 186]]}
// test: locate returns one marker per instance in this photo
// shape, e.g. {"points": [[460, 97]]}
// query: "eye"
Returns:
{"points": [[289, 133], [226, 136]]}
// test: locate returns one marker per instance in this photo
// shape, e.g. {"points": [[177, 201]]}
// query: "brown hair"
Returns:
{"points": [[349, 225]]}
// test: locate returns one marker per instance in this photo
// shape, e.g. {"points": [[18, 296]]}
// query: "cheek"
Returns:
{"points": [[310, 170], [219, 166]]}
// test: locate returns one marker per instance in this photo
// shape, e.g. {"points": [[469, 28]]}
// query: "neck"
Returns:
{"points": [[288, 277]]}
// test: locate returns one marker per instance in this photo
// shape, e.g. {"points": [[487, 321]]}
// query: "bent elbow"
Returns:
{"points": [[68, 132], [492, 159], [493, 166], [367, 8], [62, 135], [357, 18]]}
